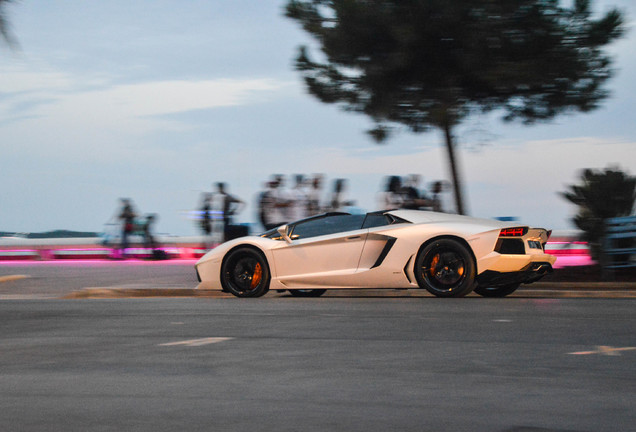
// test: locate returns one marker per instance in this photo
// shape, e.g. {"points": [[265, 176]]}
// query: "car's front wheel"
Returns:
{"points": [[445, 268], [307, 292], [500, 291], [245, 273]]}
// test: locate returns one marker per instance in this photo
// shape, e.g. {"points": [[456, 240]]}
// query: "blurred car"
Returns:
{"points": [[448, 255]]}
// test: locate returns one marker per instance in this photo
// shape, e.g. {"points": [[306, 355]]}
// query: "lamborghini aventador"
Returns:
{"points": [[448, 255]]}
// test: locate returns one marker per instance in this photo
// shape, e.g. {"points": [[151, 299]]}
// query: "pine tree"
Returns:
{"points": [[602, 194], [431, 63]]}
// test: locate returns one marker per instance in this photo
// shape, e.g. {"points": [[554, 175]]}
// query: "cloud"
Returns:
{"points": [[17, 81], [545, 163], [128, 100], [166, 97], [51, 112]]}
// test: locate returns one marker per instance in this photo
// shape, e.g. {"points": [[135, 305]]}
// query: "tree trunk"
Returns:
{"points": [[457, 186]]}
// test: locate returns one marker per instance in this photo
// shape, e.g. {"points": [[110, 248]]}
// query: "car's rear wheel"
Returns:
{"points": [[307, 292], [500, 291], [445, 268], [245, 273]]}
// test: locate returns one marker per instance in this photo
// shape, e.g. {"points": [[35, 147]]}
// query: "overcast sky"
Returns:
{"points": [[157, 99]]}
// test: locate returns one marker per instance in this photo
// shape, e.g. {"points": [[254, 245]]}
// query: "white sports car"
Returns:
{"points": [[448, 255]]}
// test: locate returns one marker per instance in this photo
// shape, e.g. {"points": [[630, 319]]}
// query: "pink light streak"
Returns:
{"points": [[574, 253]]}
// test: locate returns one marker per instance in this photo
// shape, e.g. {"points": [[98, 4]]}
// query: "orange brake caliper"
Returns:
{"points": [[434, 263], [256, 277]]}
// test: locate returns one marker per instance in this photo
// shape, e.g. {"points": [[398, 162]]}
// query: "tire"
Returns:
{"points": [[500, 291], [245, 273], [445, 268], [307, 292]]}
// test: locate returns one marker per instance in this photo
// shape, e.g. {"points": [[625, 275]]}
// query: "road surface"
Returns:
{"points": [[281, 363]]}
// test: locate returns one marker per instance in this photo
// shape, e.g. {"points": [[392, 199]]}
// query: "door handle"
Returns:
{"points": [[352, 238]]}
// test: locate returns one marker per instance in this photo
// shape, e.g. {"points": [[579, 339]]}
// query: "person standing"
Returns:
{"points": [[298, 199], [391, 198], [150, 242], [228, 205], [265, 205], [206, 219], [277, 203], [338, 202], [313, 196], [413, 198], [127, 217], [437, 189]]}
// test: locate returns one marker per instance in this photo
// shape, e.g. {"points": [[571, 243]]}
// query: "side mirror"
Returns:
{"points": [[283, 230]]}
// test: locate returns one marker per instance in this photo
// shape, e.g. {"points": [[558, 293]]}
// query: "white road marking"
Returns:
{"points": [[502, 320], [604, 350], [198, 342]]}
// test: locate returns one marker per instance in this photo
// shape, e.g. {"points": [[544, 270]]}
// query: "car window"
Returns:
{"points": [[327, 225], [379, 219], [376, 220]]}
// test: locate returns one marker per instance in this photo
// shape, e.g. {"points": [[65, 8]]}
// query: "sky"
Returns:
{"points": [[156, 100]]}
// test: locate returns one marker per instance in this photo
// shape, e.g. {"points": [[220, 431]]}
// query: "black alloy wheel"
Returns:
{"points": [[445, 268], [245, 273]]}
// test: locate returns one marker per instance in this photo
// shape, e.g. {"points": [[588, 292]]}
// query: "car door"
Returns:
{"points": [[321, 251]]}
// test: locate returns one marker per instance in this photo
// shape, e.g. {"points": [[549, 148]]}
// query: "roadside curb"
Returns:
{"points": [[143, 293]]}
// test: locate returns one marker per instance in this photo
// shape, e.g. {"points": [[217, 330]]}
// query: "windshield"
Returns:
{"points": [[332, 223], [327, 225]]}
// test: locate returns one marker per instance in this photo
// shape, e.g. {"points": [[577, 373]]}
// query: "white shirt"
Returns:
{"points": [[298, 204]]}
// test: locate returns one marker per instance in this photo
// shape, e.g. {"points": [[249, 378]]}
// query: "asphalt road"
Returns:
{"points": [[369, 361], [57, 279], [345, 364], [53, 279]]}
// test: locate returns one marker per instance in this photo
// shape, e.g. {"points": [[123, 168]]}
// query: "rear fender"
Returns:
{"points": [[450, 237]]}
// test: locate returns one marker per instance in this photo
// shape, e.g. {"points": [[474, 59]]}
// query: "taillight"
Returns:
{"points": [[513, 232]]}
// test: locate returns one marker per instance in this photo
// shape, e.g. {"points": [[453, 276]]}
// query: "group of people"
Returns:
{"points": [[406, 194], [278, 205], [131, 224]]}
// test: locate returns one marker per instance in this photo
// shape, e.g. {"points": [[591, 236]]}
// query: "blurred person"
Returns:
{"points": [[206, 218], [414, 199], [150, 241], [410, 192], [313, 196], [282, 201], [270, 212], [127, 216], [263, 204], [228, 205], [298, 199], [436, 189], [337, 201], [392, 197]]}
